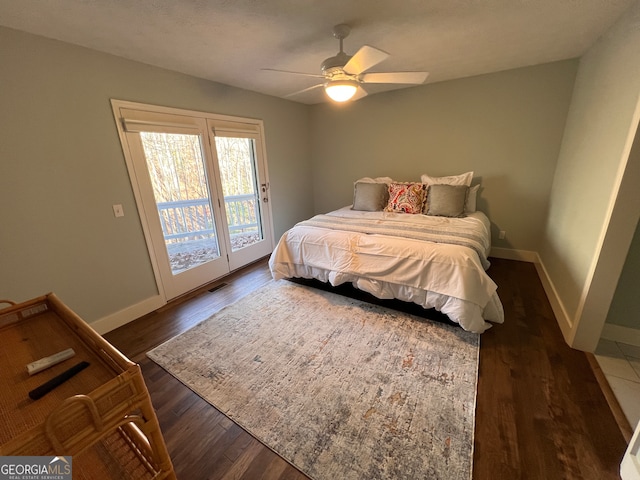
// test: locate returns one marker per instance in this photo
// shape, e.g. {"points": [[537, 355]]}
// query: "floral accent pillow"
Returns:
{"points": [[406, 197]]}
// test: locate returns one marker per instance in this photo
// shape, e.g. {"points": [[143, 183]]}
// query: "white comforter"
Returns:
{"points": [[448, 277]]}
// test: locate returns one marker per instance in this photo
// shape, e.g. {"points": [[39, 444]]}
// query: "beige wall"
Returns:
{"points": [[62, 168], [583, 249], [61, 164], [625, 306], [506, 126]]}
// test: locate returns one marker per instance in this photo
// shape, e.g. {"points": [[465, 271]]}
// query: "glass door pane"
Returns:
{"points": [[181, 190], [237, 164]]}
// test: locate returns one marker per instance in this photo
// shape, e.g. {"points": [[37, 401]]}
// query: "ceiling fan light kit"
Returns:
{"points": [[344, 74], [341, 90]]}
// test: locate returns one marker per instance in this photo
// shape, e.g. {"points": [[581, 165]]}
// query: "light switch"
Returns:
{"points": [[118, 211]]}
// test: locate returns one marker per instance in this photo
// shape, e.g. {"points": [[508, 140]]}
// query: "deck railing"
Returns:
{"points": [[192, 219]]}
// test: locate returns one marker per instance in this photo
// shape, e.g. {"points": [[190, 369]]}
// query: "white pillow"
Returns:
{"points": [[470, 206], [386, 180], [462, 179]]}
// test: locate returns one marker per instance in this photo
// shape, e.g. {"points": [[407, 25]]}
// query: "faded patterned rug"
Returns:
{"points": [[340, 388]]}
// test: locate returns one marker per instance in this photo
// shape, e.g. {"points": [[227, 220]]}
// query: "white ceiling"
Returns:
{"points": [[230, 41]]}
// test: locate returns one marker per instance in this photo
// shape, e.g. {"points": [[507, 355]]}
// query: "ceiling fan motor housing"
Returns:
{"points": [[340, 60]]}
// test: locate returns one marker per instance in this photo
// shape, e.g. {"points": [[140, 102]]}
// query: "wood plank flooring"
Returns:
{"points": [[540, 411]]}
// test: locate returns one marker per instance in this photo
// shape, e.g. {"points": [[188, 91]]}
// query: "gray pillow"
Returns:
{"points": [[370, 197], [447, 200]]}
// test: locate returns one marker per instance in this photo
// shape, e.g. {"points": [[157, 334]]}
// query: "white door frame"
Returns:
{"points": [[188, 116], [630, 466]]}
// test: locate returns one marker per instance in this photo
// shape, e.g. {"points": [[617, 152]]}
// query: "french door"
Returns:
{"points": [[201, 189]]}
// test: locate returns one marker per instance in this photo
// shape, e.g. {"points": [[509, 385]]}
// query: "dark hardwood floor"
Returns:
{"points": [[540, 411]]}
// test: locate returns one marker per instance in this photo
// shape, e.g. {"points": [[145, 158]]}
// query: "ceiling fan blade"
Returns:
{"points": [[410, 78], [360, 93], [364, 59], [315, 75], [304, 90]]}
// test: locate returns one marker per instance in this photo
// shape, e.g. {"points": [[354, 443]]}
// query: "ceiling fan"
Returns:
{"points": [[343, 75]]}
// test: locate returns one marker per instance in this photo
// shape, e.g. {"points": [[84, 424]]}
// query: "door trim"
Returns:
{"points": [[255, 125]]}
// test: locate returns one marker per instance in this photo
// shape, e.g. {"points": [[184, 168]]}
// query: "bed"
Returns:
{"points": [[435, 261]]}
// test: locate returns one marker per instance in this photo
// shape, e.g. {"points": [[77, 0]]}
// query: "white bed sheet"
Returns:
{"points": [[449, 278]]}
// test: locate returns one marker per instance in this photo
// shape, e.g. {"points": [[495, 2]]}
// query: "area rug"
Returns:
{"points": [[340, 388]]}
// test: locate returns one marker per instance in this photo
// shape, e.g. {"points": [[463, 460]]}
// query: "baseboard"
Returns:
{"points": [[126, 315], [618, 333], [610, 396], [564, 320], [512, 254]]}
